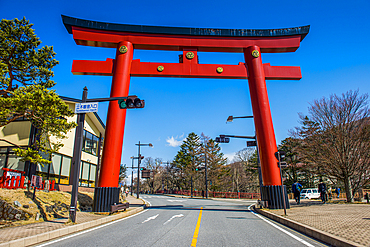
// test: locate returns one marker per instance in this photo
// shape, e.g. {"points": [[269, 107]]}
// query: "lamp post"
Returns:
{"points": [[138, 165], [230, 119]]}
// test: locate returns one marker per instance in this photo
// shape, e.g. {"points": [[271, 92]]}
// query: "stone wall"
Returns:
{"points": [[9, 212]]}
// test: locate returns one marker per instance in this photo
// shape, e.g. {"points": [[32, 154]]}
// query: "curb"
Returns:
{"points": [[309, 231], [68, 230]]}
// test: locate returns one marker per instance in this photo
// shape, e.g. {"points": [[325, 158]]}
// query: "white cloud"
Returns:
{"points": [[229, 157], [173, 142]]}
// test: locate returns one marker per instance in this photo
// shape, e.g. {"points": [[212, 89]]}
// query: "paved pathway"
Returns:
{"points": [[349, 221], [13, 233]]}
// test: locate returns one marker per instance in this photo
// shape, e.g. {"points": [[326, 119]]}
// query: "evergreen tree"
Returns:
{"points": [[215, 162], [122, 172], [25, 80], [187, 159]]}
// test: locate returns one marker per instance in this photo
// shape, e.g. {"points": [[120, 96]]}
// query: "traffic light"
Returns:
{"points": [[281, 154], [145, 173], [198, 168], [131, 102], [223, 139], [251, 143]]}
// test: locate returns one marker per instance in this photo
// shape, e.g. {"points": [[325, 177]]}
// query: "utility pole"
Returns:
{"points": [[138, 173], [138, 166], [132, 175], [205, 167], [77, 160]]}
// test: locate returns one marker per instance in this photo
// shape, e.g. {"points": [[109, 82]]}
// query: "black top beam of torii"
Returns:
{"points": [[71, 21]]}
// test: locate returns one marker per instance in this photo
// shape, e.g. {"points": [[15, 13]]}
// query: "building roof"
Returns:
{"points": [[191, 31]]}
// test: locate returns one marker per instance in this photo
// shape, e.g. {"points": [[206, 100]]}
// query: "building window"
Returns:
{"points": [[90, 143], [15, 163], [87, 174], [2, 163], [66, 166]]}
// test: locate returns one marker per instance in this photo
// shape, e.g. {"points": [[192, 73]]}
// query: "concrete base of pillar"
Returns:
{"points": [[272, 197], [104, 197]]}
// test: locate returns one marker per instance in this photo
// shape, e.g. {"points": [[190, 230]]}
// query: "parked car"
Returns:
{"points": [[310, 193]]}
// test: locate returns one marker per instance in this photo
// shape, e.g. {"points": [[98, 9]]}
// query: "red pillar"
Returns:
{"points": [[262, 116], [115, 127]]}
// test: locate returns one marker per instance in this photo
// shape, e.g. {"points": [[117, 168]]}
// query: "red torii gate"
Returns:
{"points": [[125, 38]]}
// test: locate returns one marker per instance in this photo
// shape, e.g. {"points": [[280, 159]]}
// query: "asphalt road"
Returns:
{"points": [[189, 222]]}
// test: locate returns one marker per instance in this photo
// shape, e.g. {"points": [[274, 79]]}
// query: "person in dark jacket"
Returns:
{"points": [[296, 189], [322, 190]]}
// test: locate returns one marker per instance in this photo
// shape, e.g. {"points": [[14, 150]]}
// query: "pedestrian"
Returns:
{"points": [[322, 190], [127, 190], [296, 189], [122, 192], [337, 191]]}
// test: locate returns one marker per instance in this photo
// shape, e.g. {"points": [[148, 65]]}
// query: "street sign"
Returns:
{"points": [[283, 164], [86, 107], [36, 181], [251, 143]]}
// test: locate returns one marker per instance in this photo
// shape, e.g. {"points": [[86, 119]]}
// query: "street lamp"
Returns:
{"points": [[138, 165], [231, 118]]}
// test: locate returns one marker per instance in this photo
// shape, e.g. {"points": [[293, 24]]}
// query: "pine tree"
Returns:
{"points": [[187, 159], [25, 82], [215, 162]]}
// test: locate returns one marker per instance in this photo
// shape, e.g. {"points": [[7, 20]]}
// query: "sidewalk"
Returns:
{"points": [[39, 232], [335, 223]]}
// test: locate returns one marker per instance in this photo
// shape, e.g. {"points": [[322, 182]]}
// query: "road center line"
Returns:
{"points": [[281, 229], [195, 236]]}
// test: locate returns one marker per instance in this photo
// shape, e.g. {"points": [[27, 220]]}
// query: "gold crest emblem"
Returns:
{"points": [[123, 49], [255, 53], [220, 69], [190, 55], [160, 68]]}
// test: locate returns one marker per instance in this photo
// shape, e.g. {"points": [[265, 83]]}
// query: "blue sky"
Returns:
{"points": [[334, 58]]}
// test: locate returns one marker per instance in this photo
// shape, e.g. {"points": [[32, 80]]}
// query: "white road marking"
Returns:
{"points": [[281, 229], [150, 218], [175, 216], [89, 230], [176, 200]]}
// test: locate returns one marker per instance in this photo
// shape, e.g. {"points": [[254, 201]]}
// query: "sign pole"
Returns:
{"points": [[282, 185], [76, 162]]}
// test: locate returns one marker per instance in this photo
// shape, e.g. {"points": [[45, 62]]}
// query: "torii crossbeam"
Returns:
{"points": [[125, 38]]}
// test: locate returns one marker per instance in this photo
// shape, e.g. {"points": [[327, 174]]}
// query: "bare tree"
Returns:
{"points": [[247, 159], [336, 139]]}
